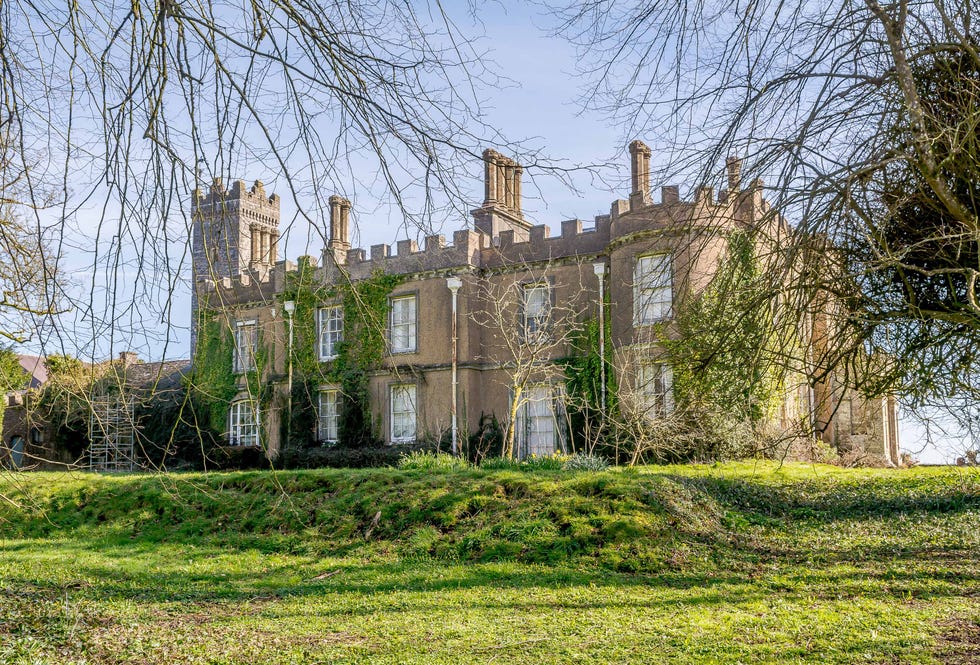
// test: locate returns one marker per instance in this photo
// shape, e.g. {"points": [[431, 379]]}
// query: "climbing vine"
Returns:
{"points": [[214, 381], [588, 415], [12, 376], [726, 355], [365, 315]]}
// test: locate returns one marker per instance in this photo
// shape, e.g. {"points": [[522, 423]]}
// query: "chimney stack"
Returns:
{"points": [[640, 173], [127, 358], [734, 166], [502, 182], [339, 241], [501, 210]]}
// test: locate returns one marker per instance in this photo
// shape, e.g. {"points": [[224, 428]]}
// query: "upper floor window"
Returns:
{"points": [[330, 323], [652, 289], [243, 424], [537, 310], [404, 337], [655, 389], [246, 342], [328, 416], [403, 413]]}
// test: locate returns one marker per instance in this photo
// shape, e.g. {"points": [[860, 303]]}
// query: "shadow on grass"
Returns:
{"points": [[837, 500], [207, 574]]}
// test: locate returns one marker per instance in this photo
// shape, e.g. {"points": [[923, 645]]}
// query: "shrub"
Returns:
{"points": [[429, 461], [554, 462], [487, 441], [339, 457], [241, 458], [580, 462]]}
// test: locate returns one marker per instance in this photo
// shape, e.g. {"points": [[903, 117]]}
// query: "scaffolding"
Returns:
{"points": [[112, 433]]}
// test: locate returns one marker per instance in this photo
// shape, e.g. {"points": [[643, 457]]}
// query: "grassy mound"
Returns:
{"points": [[681, 564], [626, 520]]}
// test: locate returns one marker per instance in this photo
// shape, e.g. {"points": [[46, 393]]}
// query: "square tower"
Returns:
{"points": [[233, 233]]}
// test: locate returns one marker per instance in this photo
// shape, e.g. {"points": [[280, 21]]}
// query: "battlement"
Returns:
{"points": [[408, 257], [511, 243], [219, 199]]}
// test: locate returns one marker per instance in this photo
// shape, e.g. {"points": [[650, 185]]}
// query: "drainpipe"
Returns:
{"points": [[290, 307], [600, 272], [454, 284]]}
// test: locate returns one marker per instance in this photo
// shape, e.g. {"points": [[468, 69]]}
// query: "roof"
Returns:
{"points": [[35, 368], [161, 375]]}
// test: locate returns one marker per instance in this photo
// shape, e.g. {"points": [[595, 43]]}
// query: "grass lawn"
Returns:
{"points": [[733, 563]]}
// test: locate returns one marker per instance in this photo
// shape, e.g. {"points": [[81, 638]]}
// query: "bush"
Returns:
{"points": [[487, 441], [239, 458], [554, 462], [340, 457], [579, 462], [429, 461]]}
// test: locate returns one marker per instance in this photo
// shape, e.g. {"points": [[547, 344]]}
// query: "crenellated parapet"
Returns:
{"points": [[502, 236], [252, 201]]}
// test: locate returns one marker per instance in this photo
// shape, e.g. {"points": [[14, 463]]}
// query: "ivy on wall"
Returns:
{"points": [[726, 356], [588, 415], [214, 381], [365, 312], [13, 377]]}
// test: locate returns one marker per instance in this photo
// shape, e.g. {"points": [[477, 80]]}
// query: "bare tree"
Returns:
{"points": [[532, 315], [862, 118]]}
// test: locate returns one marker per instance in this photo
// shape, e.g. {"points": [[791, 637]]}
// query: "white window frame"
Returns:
{"points": [[538, 421], [403, 421], [403, 324], [244, 425], [328, 416], [245, 333], [330, 329], [655, 389], [536, 325], [653, 288]]}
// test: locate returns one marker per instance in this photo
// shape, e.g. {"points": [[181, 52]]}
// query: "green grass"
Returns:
{"points": [[681, 564]]}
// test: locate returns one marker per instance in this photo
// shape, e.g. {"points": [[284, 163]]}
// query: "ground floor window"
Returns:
{"points": [[243, 424], [403, 413], [328, 416], [655, 389], [537, 422], [17, 451]]}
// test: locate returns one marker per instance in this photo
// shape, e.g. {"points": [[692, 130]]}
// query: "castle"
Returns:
{"points": [[474, 326]]}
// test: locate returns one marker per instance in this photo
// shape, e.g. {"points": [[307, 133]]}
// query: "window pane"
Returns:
{"points": [[403, 425], [331, 323], [537, 422], [537, 306], [402, 333], [243, 425], [653, 290], [328, 420], [655, 390], [246, 336]]}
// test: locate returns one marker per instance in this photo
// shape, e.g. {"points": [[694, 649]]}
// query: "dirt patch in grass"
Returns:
{"points": [[959, 643]]}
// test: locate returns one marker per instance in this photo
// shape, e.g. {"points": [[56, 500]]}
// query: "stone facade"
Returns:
{"points": [[502, 256]]}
